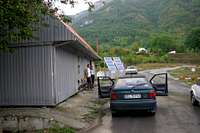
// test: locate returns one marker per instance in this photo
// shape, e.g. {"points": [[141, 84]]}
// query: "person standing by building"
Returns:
{"points": [[92, 75], [88, 76]]}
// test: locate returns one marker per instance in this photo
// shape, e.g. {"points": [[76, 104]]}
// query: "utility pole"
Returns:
{"points": [[97, 45]]}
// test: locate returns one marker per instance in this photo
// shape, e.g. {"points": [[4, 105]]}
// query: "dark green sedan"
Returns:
{"points": [[136, 93]]}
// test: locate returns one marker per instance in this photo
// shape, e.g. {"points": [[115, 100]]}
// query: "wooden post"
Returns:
{"points": [[97, 45]]}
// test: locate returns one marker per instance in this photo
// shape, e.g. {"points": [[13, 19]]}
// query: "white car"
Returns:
{"points": [[131, 70], [100, 74], [195, 94]]}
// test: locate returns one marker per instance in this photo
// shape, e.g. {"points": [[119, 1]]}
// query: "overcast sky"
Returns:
{"points": [[69, 10]]}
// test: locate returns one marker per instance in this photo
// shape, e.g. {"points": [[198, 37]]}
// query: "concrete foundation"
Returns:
{"points": [[15, 123]]}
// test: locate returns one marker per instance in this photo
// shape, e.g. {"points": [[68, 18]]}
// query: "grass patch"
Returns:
{"points": [[147, 66], [95, 109], [60, 108], [186, 75], [57, 129]]}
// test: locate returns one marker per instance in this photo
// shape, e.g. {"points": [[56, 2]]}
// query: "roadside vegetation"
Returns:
{"points": [[56, 129], [158, 48], [187, 75], [95, 109], [129, 56], [147, 66]]}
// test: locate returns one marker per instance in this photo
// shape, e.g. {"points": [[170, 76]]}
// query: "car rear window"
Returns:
{"points": [[130, 67], [130, 82]]}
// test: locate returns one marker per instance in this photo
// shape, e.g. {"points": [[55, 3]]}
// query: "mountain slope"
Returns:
{"points": [[121, 22]]}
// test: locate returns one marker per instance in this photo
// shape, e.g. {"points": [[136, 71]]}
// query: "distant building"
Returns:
{"points": [[142, 51], [45, 70], [172, 52]]}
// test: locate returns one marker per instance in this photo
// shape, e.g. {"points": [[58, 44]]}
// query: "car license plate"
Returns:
{"points": [[132, 96]]}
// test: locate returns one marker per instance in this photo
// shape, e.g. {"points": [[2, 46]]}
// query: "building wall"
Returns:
{"points": [[68, 70], [26, 77]]}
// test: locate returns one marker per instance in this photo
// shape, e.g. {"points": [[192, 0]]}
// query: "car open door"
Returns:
{"points": [[105, 85], [160, 83], [197, 88]]}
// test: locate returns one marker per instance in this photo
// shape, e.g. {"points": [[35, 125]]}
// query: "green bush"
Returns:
{"points": [[128, 57], [57, 129], [138, 59]]}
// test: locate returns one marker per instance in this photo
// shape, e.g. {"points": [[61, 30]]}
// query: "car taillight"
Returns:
{"points": [[152, 94], [113, 95]]}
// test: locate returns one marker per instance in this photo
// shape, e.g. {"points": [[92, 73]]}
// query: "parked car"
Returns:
{"points": [[101, 74], [195, 94], [131, 70], [134, 92]]}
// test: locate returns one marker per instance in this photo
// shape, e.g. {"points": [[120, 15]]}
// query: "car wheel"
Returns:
{"points": [[152, 112], [100, 96], [193, 100]]}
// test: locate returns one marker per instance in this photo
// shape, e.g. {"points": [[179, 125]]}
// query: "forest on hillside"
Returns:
{"points": [[122, 26]]}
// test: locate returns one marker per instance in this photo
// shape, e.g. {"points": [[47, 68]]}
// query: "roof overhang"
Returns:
{"points": [[76, 48], [81, 44]]}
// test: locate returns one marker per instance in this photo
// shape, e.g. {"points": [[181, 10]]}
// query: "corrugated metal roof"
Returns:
{"points": [[81, 40], [56, 31]]}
